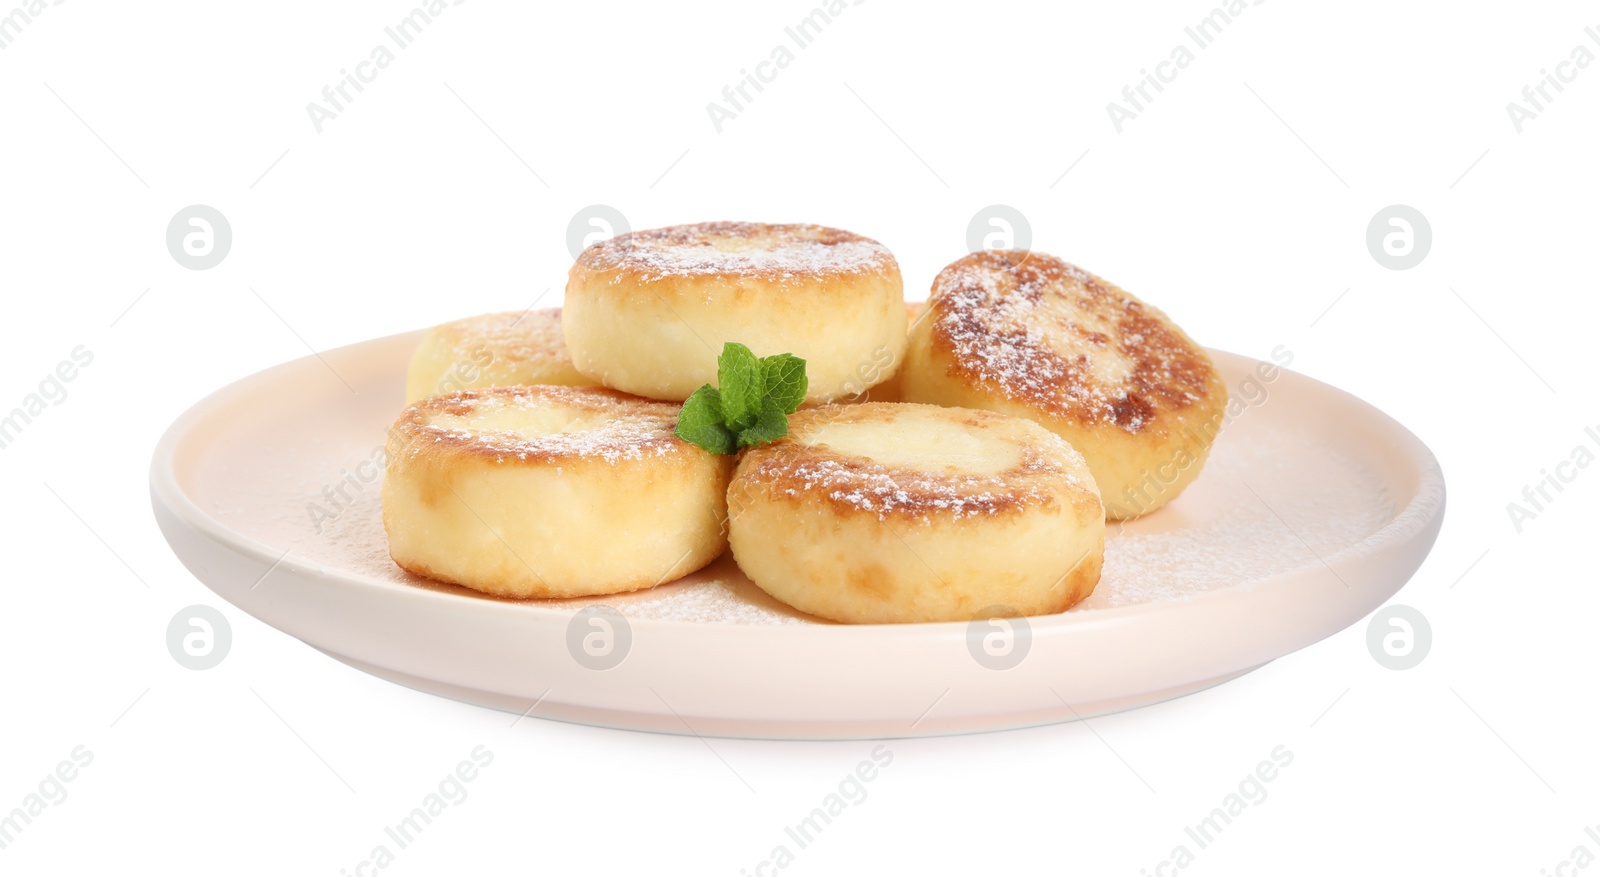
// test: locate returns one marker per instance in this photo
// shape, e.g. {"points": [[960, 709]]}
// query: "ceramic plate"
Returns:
{"points": [[1312, 511]]}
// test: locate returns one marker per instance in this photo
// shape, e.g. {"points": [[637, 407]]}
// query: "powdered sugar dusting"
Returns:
{"points": [[520, 336], [918, 461], [733, 249], [608, 425], [1053, 336], [887, 492], [1260, 511]]}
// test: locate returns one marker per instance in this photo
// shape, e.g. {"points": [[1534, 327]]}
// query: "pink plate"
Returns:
{"points": [[1313, 510]]}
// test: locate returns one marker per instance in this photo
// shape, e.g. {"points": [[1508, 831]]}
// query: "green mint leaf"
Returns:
{"points": [[700, 422], [739, 380], [771, 425], [750, 407], [784, 378]]}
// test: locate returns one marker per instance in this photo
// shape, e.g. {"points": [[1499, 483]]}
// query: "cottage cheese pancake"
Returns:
{"points": [[1030, 335], [647, 312], [883, 512], [517, 347], [546, 491]]}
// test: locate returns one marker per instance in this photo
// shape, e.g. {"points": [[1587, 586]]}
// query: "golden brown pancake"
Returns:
{"points": [[1027, 334], [648, 312], [506, 349], [883, 512], [546, 491]]}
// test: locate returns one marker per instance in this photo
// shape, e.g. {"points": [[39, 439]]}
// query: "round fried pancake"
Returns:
{"points": [[648, 312], [517, 347], [892, 388], [1028, 334], [883, 512], [547, 491]]}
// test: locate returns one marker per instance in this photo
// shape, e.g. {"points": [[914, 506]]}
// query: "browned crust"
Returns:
{"points": [[635, 428], [538, 590], [796, 471], [1078, 584], [779, 252], [980, 305]]}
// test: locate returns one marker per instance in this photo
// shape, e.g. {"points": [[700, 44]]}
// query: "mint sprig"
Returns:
{"points": [[752, 406]]}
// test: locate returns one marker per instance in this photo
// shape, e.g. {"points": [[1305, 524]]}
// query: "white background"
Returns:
{"points": [[445, 189]]}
